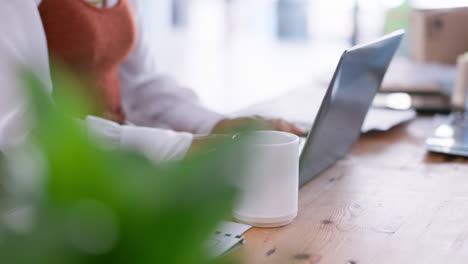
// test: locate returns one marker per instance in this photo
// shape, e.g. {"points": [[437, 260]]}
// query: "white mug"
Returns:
{"points": [[269, 186]]}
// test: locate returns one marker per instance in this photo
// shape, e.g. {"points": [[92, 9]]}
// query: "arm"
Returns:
{"points": [[23, 43], [154, 100], [159, 145], [151, 99]]}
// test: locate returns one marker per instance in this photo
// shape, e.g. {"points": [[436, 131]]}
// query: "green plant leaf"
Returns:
{"points": [[99, 206]]}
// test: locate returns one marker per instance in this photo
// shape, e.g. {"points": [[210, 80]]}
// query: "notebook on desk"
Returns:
{"points": [[227, 238]]}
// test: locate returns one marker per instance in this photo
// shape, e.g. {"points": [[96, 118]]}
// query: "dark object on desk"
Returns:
{"points": [[451, 137], [423, 103], [431, 103], [338, 123]]}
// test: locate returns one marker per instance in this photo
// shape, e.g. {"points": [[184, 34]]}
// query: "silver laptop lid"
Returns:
{"points": [[337, 126]]}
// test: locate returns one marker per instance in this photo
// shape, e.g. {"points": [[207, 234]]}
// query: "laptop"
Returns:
{"points": [[347, 100]]}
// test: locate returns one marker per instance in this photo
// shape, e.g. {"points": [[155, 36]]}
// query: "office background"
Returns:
{"points": [[237, 52]]}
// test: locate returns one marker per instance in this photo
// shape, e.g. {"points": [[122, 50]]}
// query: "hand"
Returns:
{"points": [[205, 143], [259, 123], [228, 126]]}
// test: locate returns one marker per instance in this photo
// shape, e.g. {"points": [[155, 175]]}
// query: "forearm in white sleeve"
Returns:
{"points": [[158, 145], [155, 100]]}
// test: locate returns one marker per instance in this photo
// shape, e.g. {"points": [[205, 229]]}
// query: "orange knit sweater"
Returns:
{"points": [[93, 42]]}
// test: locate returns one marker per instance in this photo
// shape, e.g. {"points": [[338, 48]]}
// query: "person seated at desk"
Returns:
{"points": [[105, 39]]}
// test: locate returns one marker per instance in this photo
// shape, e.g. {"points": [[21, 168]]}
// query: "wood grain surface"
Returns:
{"points": [[388, 202]]}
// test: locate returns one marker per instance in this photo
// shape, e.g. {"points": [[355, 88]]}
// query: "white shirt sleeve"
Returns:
{"points": [[154, 100], [23, 43], [150, 142]]}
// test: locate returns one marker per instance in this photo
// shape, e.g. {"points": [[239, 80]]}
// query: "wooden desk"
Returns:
{"points": [[387, 202]]}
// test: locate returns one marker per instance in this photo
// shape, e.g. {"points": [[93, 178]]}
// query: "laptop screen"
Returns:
{"points": [[355, 82]]}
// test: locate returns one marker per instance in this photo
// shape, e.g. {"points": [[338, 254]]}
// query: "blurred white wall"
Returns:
{"points": [[229, 52]]}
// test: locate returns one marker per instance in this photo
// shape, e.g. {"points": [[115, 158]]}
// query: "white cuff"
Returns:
{"points": [[158, 145], [104, 131]]}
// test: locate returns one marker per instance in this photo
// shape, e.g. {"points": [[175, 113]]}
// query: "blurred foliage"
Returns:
{"points": [[398, 17], [98, 206]]}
